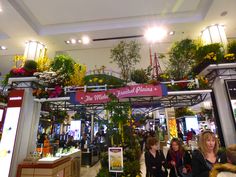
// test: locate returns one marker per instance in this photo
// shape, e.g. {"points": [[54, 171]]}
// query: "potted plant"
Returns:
{"points": [[126, 55]]}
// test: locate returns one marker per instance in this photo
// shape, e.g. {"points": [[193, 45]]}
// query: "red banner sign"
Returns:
{"points": [[124, 92]]}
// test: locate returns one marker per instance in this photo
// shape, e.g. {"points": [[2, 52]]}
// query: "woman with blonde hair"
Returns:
{"points": [[207, 155]]}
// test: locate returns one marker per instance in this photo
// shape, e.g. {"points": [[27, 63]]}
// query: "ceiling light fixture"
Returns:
{"points": [[3, 47], [73, 41], [85, 40], [214, 34], [171, 33], [155, 34]]}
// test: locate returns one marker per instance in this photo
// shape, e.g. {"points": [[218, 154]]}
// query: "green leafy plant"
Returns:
{"points": [[181, 58], [30, 65], [126, 55], [63, 64], [102, 79], [141, 75], [58, 116], [231, 47], [212, 53], [185, 111]]}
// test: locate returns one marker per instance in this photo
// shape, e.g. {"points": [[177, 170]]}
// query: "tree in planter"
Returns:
{"points": [[126, 55], [182, 57], [122, 135]]}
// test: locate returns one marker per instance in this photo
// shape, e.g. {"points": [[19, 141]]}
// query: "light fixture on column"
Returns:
{"points": [[214, 34], [34, 50]]}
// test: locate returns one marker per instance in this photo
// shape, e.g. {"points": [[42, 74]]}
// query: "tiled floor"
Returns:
{"points": [[92, 172]]}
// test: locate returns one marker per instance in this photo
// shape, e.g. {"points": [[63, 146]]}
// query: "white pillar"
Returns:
{"points": [[224, 111], [27, 127]]}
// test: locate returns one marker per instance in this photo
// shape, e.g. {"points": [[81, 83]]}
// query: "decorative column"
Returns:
{"points": [[224, 111]]}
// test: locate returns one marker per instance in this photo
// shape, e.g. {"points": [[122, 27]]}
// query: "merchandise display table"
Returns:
{"points": [[66, 166], [89, 158]]}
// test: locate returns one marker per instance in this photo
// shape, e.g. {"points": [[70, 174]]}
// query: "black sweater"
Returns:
{"points": [[154, 164], [199, 164]]}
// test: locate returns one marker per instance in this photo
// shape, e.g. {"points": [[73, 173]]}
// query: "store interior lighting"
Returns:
{"points": [[84, 40], [34, 50], [214, 34], [155, 34], [3, 47]]}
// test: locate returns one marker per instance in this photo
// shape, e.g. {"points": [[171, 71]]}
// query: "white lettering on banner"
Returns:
{"points": [[125, 92], [141, 89], [100, 97], [16, 98], [88, 98]]}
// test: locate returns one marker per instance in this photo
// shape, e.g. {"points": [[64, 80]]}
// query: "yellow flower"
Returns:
{"points": [[95, 79], [100, 81]]}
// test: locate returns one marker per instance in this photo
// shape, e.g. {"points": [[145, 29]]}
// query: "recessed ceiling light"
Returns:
{"points": [[67, 41], [73, 41], [85, 40], [171, 33], [79, 41], [3, 48]]}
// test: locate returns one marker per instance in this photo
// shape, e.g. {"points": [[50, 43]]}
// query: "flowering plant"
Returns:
{"points": [[211, 56], [229, 57]]}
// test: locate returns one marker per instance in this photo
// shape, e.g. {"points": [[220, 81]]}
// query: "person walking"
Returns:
{"points": [[154, 159], [178, 160], [207, 155]]}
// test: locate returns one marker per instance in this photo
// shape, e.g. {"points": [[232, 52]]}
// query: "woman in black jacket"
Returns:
{"points": [[154, 159], [207, 155], [178, 160]]}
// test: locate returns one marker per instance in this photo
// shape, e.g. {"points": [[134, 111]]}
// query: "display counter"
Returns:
{"points": [[90, 157], [68, 165]]}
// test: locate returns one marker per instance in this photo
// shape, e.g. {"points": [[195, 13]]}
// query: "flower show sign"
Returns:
{"points": [[124, 92], [115, 158]]}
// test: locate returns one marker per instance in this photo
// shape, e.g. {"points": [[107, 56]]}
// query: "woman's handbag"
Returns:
{"points": [[181, 174]]}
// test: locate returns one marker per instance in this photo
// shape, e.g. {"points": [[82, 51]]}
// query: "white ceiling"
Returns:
{"points": [[52, 22]]}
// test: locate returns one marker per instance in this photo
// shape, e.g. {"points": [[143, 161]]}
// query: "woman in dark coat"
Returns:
{"points": [[207, 155], [178, 160], [154, 159]]}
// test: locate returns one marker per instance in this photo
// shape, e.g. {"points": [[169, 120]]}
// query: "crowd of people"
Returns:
{"points": [[206, 161]]}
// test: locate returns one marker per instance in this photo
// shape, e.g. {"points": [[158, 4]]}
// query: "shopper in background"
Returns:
{"points": [[154, 159], [207, 155], [228, 169], [83, 142], [71, 142], [178, 160]]}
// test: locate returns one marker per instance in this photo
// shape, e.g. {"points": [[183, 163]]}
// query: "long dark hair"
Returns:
{"points": [[181, 149]]}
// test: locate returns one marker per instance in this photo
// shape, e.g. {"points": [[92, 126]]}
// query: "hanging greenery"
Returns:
{"points": [[126, 55], [185, 111]]}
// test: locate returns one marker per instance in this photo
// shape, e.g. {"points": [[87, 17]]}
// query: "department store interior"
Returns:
{"points": [[83, 84]]}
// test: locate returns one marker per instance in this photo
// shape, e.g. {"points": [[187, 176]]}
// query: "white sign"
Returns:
{"points": [[8, 140], [115, 155]]}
